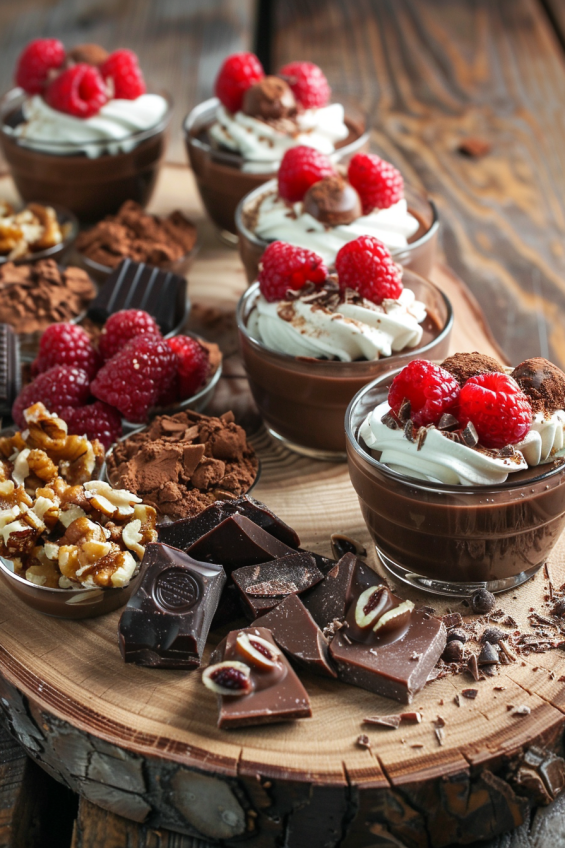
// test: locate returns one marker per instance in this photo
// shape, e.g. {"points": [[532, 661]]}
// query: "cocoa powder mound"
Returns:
{"points": [[135, 234], [465, 365], [182, 463], [543, 383]]}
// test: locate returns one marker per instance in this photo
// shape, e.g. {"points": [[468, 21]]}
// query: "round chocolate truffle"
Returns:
{"points": [[462, 366], [92, 54], [333, 201], [270, 99], [542, 382]]}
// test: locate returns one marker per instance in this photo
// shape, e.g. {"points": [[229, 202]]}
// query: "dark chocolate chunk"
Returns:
{"points": [[488, 655], [447, 422], [469, 435], [10, 374], [331, 598], [494, 635], [295, 631], [166, 622], [456, 633], [135, 285], [263, 586]]}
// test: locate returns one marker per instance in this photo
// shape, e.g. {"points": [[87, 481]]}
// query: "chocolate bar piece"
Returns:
{"points": [[295, 631], [396, 669], [263, 586], [185, 532], [166, 622], [276, 692], [135, 285], [237, 541], [330, 600], [10, 375]]}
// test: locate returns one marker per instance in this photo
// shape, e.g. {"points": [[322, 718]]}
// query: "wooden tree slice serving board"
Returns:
{"points": [[143, 743]]}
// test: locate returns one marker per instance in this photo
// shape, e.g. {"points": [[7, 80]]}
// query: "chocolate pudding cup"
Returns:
{"points": [[419, 255], [453, 540], [90, 187], [303, 401], [220, 177]]}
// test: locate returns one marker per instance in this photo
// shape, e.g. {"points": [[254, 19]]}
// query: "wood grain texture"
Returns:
{"points": [[437, 73]]}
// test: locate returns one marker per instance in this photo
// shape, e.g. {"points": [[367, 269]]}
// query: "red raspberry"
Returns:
{"points": [[133, 379], [123, 326], [35, 62], [500, 411], [66, 344], [95, 421], [366, 265], [430, 389], [378, 183], [238, 73], [285, 267], [57, 388], [123, 69], [300, 168], [193, 365], [79, 90], [308, 83]]}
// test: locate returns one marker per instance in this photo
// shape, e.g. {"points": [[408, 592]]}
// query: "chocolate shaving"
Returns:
{"points": [[409, 430], [469, 435], [439, 735], [447, 422], [440, 721], [390, 420], [471, 694], [507, 652], [411, 716], [405, 410], [392, 722], [452, 619], [473, 667], [521, 710]]}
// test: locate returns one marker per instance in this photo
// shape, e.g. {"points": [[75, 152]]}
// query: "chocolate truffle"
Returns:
{"points": [[92, 54], [465, 365], [270, 99], [543, 383], [333, 201]]}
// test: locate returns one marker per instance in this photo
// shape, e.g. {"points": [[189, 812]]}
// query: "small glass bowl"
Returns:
{"points": [[419, 255], [58, 252], [453, 540], [303, 401], [219, 175], [91, 187]]}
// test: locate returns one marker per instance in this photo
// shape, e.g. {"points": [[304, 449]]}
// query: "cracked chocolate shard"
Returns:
{"points": [[331, 598], [295, 631], [166, 621], [10, 376], [135, 285], [264, 585]]}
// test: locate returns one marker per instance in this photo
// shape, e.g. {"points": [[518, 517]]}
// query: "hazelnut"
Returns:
{"points": [[394, 618], [482, 601], [257, 651], [228, 678]]}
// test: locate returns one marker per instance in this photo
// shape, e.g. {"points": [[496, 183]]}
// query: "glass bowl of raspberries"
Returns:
{"points": [[128, 374], [459, 466]]}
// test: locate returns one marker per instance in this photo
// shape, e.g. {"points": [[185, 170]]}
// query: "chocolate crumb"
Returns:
{"points": [[392, 722], [417, 745], [363, 741], [474, 147], [499, 688], [473, 667], [457, 633], [522, 710], [439, 735], [493, 635], [471, 694], [457, 701], [488, 655], [411, 716], [453, 619]]}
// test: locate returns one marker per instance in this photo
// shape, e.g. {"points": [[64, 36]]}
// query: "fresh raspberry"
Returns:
{"points": [[500, 411], [79, 90], [300, 168], [430, 389], [123, 326], [66, 344], [35, 62], [285, 267], [193, 366], [378, 183], [123, 69], [57, 388], [133, 379], [308, 83], [95, 421], [238, 73], [366, 265]]}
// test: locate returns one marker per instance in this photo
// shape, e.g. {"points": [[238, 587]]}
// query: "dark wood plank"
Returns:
{"points": [[438, 73], [180, 44]]}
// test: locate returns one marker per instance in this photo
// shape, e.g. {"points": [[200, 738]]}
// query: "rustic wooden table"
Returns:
{"points": [[439, 76]]}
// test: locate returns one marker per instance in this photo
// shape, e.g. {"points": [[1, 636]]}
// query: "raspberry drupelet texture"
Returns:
{"points": [[35, 61], [285, 267], [57, 388], [66, 344], [123, 326], [430, 390], [193, 365], [366, 265], [79, 91], [308, 83], [95, 421], [238, 73], [122, 69], [499, 410], [378, 183], [300, 168]]}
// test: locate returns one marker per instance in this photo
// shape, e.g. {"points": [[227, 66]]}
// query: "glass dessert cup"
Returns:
{"points": [[303, 401], [419, 255], [90, 187], [453, 540], [222, 182]]}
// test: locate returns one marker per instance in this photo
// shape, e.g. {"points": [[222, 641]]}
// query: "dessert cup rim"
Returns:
{"points": [[13, 94], [49, 252], [201, 109], [416, 483], [266, 188], [253, 289]]}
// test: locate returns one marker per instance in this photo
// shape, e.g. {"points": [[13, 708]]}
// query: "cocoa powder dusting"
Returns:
{"points": [[465, 365], [543, 383]]}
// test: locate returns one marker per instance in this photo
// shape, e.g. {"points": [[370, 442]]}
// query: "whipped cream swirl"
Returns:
{"points": [[332, 327], [51, 131], [546, 439], [263, 145], [279, 221]]}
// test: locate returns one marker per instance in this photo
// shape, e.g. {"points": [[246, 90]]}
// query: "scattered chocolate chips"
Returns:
{"points": [[494, 635], [482, 601], [457, 633], [453, 651]]}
